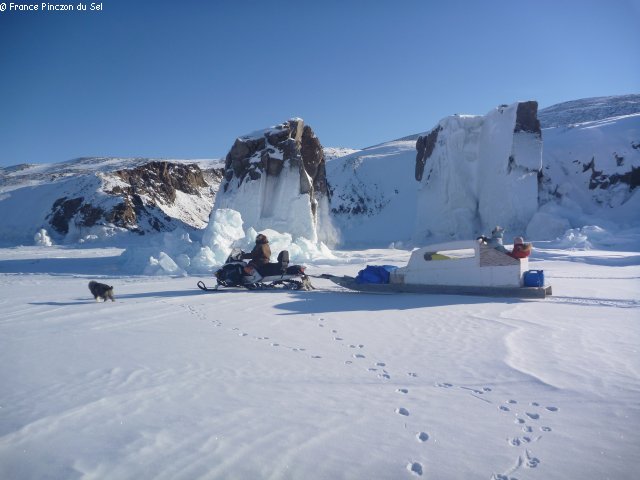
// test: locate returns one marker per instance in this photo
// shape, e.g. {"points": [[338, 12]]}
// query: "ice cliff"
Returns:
{"points": [[476, 172], [275, 179]]}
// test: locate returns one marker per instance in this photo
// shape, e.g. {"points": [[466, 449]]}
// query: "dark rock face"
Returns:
{"points": [[290, 143], [147, 186], [425, 145], [527, 118], [63, 211], [603, 181]]}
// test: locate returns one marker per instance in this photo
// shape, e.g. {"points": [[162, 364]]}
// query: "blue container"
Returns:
{"points": [[534, 278]]}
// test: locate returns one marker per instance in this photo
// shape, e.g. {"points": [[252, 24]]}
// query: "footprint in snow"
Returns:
{"points": [[337, 338], [412, 374], [532, 416], [545, 429], [384, 375], [316, 356], [534, 404], [512, 401], [404, 391], [422, 436], [402, 411], [444, 385], [381, 364], [519, 421], [532, 462], [552, 409], [415, 468], [504, 408], [358, 355]]}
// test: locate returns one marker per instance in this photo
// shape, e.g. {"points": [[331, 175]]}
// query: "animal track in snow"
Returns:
{"points": [[545, 429], [412, 374], [422, 436], [552, 409], [358, 355], [404, 391], [415, 468], [504, 408], [532, 462], [402, 411], [444, 385], [532, 416]]}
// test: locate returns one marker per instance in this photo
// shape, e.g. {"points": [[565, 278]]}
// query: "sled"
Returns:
{"points": [[456, 268], [389, 288]]}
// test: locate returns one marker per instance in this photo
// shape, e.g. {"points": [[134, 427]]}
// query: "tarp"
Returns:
{"points": [[375, 274]]}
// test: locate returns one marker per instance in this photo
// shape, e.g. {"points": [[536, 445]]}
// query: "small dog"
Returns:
{"points": [[101, 291]]}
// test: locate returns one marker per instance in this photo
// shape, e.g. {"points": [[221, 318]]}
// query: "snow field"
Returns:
{"points": [[171, 382]]}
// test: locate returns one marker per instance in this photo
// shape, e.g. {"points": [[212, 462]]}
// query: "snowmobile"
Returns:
{"points": [[238, 273]]}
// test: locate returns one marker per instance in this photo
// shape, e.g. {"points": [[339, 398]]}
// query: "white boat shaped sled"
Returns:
{"points": [[465, 267]]}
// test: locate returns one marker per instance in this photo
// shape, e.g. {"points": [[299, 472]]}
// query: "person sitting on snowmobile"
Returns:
{"points": [[261, 255], [520, 249]]}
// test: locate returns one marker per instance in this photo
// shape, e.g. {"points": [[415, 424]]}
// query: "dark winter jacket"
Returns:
{"points": [[260, 255]]}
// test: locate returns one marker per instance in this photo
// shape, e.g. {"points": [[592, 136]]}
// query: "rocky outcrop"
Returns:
{"points": [[425, 145], [276, 178], [267, 152], [140, 199]]}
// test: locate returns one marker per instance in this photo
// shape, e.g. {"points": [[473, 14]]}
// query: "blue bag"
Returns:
{"points": [[375, 274], [534, 278]]}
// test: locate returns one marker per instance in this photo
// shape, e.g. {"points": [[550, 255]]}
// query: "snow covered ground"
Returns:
{"points": [[170, 382]]}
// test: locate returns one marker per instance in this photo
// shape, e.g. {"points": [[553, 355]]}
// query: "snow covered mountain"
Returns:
{"points": [[457, 179], [591, 165], [589, 175], [98, 199]]}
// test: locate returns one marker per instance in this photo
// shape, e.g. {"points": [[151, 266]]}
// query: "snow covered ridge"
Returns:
{"points": [[591, 166], [589, 110], [101, 199]]}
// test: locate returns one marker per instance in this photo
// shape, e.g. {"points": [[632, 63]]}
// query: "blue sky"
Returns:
{"points": [[183, 79]]}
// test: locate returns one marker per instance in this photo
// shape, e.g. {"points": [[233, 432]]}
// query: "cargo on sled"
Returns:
{"points": [[468, 267]]}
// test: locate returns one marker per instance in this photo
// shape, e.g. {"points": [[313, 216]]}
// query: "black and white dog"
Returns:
{"points": [[101, 291]]}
